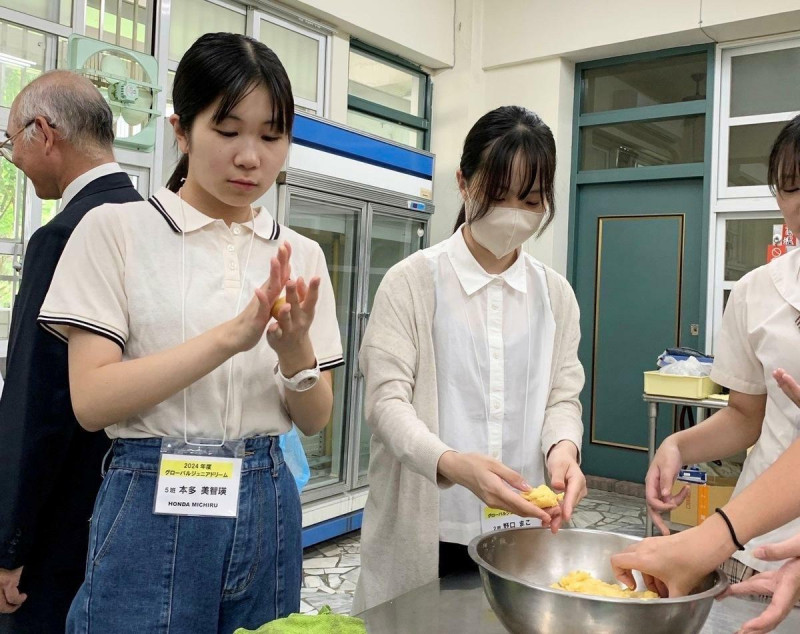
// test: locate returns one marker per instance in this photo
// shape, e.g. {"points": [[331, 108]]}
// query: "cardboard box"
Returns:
{"points": [[686, 513], [702, 500]]}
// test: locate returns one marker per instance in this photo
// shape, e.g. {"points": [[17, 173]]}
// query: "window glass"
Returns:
{"points": [[764, 83], [643, 143], [748, 152], [22, 59], [385, 129], [129, 29], [645, 83], [59, 11], [385, 84], [189, 19], [746, 243], [298, 53]]}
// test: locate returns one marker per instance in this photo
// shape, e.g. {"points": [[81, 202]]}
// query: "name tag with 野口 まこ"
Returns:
{"points": [[498, 519]]}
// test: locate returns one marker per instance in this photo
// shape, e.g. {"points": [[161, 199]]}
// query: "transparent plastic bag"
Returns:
{"points": [[295, 457], [689, 367]]}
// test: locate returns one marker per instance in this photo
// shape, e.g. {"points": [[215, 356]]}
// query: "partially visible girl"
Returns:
{"points": [[760, 332]]}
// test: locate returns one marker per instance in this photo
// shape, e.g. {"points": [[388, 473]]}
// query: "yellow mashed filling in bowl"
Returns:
{"points": [[583, 582]]}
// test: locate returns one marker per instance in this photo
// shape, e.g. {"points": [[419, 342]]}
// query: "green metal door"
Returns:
{"points": [[637, 278]]}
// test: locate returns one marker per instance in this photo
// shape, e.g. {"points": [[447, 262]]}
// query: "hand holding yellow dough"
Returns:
{"points": [[584, 583], [543, 496]]}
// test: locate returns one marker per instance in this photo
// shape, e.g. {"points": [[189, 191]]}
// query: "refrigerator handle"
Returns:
{"points": [[363, 319]]}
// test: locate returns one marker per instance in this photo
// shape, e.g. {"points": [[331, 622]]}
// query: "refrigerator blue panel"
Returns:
{"points": [[350, 143]]}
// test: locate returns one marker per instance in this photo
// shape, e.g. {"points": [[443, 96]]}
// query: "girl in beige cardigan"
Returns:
{"points": [[506, 178]]}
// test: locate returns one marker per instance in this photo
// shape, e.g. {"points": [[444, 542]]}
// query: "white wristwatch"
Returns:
{"points": [[300, 382]]}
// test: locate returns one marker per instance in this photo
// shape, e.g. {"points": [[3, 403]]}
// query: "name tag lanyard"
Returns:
{"points": [[195, 477]]}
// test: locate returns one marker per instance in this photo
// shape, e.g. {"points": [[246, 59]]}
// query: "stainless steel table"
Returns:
{"points": [[653, 402], [458, 605]]}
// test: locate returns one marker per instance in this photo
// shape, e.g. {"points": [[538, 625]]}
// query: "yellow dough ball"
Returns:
{"points": [[543, 496], [276, 307]]}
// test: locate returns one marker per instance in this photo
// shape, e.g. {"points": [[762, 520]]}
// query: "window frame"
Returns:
{"points": [[737, 202], [364, 106], [317, 107], [674, 110], [726, 122], [721, 284], [166, 65], [149, 166], [39, 24], [140, 163], [79, 20], [31, 218]]}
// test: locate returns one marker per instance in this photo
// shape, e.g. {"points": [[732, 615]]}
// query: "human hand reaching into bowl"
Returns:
{"points": [[673, 565], [519, 566]]}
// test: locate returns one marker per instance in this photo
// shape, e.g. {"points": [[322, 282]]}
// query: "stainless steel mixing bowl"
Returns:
{"points": [[518, 565]]}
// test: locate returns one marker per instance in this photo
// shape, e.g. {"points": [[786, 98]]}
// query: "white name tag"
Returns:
{"points": [[198, 485], [497, 519]]}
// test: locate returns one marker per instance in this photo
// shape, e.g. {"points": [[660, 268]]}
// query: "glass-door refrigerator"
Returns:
{"points": [[365, 201]]}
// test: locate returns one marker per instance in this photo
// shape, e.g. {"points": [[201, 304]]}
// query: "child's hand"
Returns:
{"points": [[247, 328], [783, 585], [566, 476], [788, 385], [489, 480]]}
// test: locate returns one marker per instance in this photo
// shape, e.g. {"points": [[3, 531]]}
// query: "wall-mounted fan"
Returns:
{"points": [[127, 79]]}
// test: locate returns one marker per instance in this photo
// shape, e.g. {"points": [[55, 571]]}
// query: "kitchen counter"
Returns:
{"points": [[457, 604]]}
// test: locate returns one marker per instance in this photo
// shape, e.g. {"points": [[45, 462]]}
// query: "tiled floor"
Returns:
{"points": [[330, 569]]}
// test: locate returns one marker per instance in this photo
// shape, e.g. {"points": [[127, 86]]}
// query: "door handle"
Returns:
{"points": [[17, 259], [361, 319]]}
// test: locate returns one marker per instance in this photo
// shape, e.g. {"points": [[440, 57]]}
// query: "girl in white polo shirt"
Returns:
{"points": [[166, 307], [760, 333]]}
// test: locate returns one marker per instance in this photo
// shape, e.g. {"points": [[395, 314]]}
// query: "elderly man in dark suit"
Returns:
{"points": [[60, 134]]}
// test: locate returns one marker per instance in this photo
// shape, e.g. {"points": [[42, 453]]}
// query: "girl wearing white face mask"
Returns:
{"points": [[472, 373]]}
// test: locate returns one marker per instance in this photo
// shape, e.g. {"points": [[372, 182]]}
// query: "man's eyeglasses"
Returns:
{"points": [[7, 146]]}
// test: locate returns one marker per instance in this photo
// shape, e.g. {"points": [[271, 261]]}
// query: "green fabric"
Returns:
{"points": [[326, 622]]}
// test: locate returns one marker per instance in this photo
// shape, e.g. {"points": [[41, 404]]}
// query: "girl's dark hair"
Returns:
{"points": [[488, 159], [227, 65], [784, 159]]}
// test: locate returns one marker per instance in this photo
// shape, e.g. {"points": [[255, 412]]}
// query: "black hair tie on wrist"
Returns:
{"points": [[730, 528]]}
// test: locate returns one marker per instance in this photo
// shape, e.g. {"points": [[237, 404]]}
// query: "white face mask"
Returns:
{"points": [[503, 229]]}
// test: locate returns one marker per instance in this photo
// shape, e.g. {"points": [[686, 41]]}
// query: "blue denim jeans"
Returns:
{"points": [[170, 574]]}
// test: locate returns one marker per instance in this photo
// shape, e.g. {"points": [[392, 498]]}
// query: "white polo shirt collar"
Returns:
{"points": [[168, 204], [785, 273]]}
